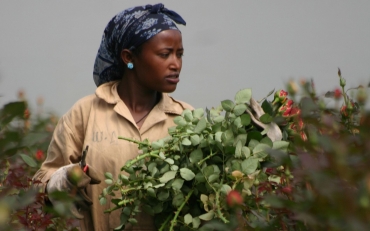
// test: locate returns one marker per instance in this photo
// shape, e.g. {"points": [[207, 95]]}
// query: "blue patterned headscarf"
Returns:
{"points": [[128, 30]]}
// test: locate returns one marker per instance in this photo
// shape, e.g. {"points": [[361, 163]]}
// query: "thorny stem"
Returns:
{"points": [[132, 140], [209, 156], [173, 222], [142, 156], [165, 223], [124, 202]]}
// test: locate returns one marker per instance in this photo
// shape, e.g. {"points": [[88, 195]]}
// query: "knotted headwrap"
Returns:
{"points": [[128, 30]]}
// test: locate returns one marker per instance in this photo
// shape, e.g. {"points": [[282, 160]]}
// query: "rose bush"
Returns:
{"points": [[24, 138]]}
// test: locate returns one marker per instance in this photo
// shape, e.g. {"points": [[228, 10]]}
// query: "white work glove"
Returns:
{"points": [[72, 179], [273, 130]]}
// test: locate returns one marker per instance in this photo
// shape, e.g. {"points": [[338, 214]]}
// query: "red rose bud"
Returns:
{"points": [[303, 136], [337, 94], [234, 198], [280, 96], [291, 128], [287, 190], [286, 106], [39, 155]]}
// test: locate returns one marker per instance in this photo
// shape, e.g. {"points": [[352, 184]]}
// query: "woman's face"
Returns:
{"points": [[157, 67]]}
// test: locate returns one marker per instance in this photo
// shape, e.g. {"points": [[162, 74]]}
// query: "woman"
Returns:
{"points": [[138, 62]]}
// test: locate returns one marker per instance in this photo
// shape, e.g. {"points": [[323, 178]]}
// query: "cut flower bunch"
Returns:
{"points": [[210, 166], [256, 166]]}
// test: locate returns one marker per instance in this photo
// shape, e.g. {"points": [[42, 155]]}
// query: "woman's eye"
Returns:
{"points": [[180, 55], [164, 55]]}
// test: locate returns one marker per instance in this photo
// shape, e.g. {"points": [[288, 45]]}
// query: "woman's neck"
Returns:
{"points": [[136, 99]]}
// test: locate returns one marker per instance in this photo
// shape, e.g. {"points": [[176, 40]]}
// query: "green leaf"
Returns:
{"points": [[108, 181], [196, 222], [249, 165], [174, 167], [186, 142], [225, 189], [267, 107], [238, 149], [238, 122], [266, 118], [201, 125], [212, 178], [169, 160], [178, 199], [162, 156], [260, 150], [242, 138], [207, 216], [239, 109], [167, 176], [196, 155], [34, 138], [266, 140], [218, 119], [246, 151], [132, 221], [179, 120], [254, 135], [187, 174], [11, 111], [188, 218], [198, 113], [280, 145], [245, 119], [177, 184], [227, 105], [252, 144], [163, 195], [207, 171], [243, 96], [227, 137], [103, 200], [157, 144], [108, 175], [151, 192], [188, 115], [195, 140], [28, 160]]}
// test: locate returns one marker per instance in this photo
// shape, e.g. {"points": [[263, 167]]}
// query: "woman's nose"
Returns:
{"points": [[176, 63]]}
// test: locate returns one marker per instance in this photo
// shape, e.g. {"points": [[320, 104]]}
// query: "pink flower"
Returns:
{"points": [[234, 198]]}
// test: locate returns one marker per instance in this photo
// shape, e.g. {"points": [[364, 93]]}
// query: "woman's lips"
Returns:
{"points": [[173, 79]]}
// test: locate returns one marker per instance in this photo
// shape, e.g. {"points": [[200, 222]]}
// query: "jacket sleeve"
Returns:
{"points": [[65, 146]]}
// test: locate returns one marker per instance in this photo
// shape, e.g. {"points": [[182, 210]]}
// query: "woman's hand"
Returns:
{"points": [[72, 179]]}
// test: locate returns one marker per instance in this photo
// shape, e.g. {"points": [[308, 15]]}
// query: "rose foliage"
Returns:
{"points": [[285, 164], [24, 138]]}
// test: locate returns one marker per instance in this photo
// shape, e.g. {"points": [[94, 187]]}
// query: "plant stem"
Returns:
{"points": [[131, 140], [209, 156], [165, 223], [173, 222], [142, 156]]}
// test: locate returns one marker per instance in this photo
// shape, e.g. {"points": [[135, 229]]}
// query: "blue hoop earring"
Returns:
{"points": [[130, 65]]}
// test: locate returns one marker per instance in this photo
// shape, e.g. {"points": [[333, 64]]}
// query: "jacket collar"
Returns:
{"points": [[167, 105]]}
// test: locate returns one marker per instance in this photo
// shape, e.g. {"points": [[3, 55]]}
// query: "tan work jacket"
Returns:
{"points": [[97, 120]]}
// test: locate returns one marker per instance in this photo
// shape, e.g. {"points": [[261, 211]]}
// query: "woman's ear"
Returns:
{"points": [[126, 56]]}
